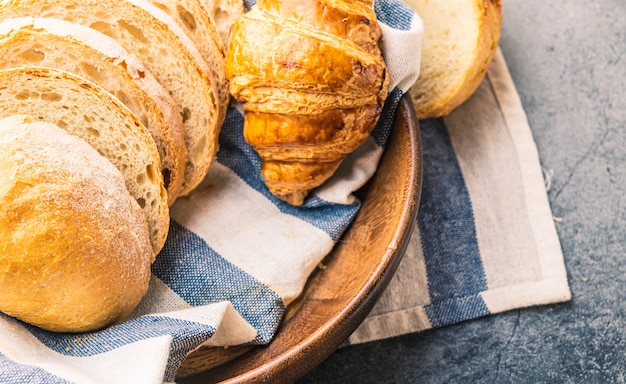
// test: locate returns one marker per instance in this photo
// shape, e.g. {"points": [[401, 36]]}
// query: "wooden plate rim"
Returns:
{"points": [[292, 364]]}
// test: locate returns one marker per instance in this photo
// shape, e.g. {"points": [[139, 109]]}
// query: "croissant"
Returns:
{"points": [[312, 81]]}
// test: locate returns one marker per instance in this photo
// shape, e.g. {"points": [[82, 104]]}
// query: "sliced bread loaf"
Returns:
{"points": [[87, 111], [224, 13], [460, 39], [75, 252], [195, 20], [150, 34], [86, 52]]}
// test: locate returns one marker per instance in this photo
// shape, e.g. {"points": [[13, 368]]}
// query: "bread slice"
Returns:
{"points": [[84, 109], [224, 14], [198, 25], [460, 39], [151, 35], [76, 242], [86, 52]]}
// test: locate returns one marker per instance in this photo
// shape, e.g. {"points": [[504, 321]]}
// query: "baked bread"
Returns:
{"points": [[224, 14], [87, 111], [312, 85], [150, 34], [74, 246], [198, 25], [460, 39], [86, 52]]}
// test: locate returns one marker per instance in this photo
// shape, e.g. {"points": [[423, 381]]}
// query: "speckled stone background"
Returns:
{"points": [[568, 60]]}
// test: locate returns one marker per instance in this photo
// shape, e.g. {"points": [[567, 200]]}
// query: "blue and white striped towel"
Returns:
{"points": [[485, 240], [234, 259]]}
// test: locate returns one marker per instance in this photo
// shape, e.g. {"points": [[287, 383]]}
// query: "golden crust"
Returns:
{"points": [[322, 136], [291, 181], [84, 109], [64, 213], [352, 21], [312, 82], [300, 59]]}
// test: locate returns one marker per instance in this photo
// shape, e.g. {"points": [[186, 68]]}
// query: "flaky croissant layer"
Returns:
{"points": [[312, 81]]}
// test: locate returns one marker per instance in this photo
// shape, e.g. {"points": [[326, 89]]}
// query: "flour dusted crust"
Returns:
{"points": [[75, 253], [460, 39], [83, 109], [86, 52], [150, 34]]}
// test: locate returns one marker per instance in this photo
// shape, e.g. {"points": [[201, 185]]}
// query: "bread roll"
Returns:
{"points": [[86, 52], [85, 110], [150, 34], [460, 39], [74, 245]]}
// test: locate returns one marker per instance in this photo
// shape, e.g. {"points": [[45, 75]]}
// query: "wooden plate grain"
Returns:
{"points": [[338, 296]]}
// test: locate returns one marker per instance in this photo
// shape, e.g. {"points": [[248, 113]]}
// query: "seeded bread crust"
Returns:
{"points": [[87, 111], [461, 37], [90, 54], [64, 213]]}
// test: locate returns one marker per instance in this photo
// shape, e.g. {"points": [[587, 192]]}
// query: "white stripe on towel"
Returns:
{"points": [[124, 364], [264, 246]]}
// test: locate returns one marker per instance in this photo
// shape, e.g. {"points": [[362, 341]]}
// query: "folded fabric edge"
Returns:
{"points": [[539, 210], [403, 49], [499, 300], [553, 288], [33, 361]]}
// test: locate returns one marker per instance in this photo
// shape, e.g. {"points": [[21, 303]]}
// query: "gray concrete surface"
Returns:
{"points": [[568, 60]]}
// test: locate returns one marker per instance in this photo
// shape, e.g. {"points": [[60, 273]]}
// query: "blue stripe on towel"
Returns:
{"points": [[186, 336], [446, 223], [241, 158], [185, 333], [189, 267], [381, 133], [394, 13], [12, 372], [330, 218], [455, 310], [200, 276]]}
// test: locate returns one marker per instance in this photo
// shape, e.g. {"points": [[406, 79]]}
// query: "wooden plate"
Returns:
{"points": [[339, 296]]}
